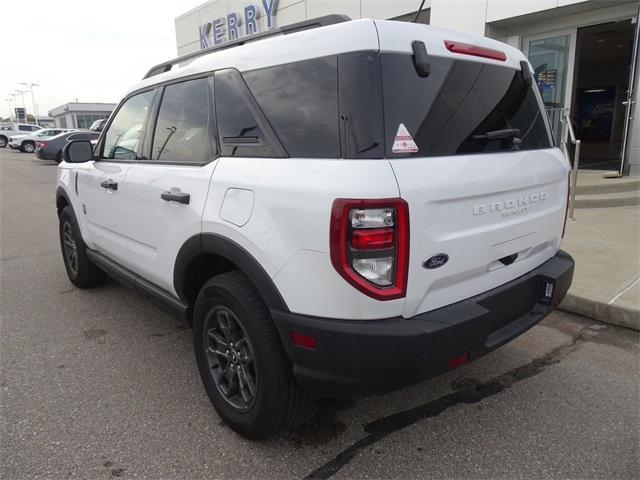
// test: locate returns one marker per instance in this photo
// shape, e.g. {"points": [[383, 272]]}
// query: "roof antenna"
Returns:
{"points": [[415, 20]]}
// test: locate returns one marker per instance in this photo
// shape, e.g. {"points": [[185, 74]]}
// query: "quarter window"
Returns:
{"points": [[237, 116], [182, 130], [125, 132], [300, 101]]}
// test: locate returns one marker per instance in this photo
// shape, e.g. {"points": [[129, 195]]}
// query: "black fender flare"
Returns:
{"points": [[218, 245], [61, 193]]}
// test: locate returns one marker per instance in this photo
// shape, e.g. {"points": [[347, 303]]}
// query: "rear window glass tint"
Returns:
{"points": [[360, 100], [238, 126], [448, 111], [300, 101]]}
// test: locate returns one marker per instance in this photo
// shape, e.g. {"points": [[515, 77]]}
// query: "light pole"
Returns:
{"points": [[15, 105], [9, 102], [33, 99], [24, 104]]}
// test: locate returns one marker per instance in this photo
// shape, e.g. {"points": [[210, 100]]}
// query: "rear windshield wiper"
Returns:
{"points": [[498, 134]]}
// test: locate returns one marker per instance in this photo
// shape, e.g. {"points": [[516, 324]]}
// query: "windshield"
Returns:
{"points": [[462, 107]]}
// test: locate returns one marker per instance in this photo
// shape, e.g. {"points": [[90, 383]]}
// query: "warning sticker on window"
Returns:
{"points": [[403, 142]]}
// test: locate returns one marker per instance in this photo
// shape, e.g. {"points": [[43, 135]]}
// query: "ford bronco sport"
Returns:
{"points": [[336, 207]]}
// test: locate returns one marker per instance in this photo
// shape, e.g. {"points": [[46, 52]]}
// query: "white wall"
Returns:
{"points": [[466, 15]]}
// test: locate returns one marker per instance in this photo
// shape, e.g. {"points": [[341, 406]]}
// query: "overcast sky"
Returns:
{"points": [[89, 50]]}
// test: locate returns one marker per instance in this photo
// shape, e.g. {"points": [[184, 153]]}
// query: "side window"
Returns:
{"points": [[123, 137], [182, 129], [25, 128], [300, 101], [238, 125]]}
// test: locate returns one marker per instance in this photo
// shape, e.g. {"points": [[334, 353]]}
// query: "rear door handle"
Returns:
{"points": [[176, 196], [110, 184]]}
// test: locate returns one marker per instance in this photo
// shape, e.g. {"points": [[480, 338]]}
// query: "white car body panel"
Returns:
{"points": [[288, 231], [451, 201], [156, 229]]}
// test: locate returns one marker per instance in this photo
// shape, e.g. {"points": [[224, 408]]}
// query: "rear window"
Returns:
{"points": [[453, 109]]}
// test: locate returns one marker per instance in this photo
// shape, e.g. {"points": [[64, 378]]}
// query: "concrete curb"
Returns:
{"points": [[604, 312]]}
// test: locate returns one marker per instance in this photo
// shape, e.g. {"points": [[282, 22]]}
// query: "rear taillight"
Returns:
{"points": [[40, 145], [467, 49], [370, 245]]}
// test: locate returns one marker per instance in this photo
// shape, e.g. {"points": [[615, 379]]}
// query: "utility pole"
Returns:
{"points": [[24, 104], [33, 99]]}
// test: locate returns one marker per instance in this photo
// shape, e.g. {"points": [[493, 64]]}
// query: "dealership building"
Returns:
{"points": [[584, 52], [80, 114]]}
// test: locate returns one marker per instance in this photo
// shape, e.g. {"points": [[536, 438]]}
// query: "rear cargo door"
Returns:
{"points": [[472, 153]]}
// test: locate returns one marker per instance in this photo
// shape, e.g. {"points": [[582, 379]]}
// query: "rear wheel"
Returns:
{"points": [[28, 147], [3, 142], [243, 366], [81, 271]]}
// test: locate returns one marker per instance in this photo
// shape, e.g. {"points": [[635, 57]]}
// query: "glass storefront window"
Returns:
{"points": [[550, 59], [85, 120]]}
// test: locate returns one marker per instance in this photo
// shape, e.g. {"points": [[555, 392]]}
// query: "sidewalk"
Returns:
{"points": [[605, 243]]}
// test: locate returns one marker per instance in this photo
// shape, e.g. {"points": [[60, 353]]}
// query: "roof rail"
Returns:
{"points": [[284, 30]]}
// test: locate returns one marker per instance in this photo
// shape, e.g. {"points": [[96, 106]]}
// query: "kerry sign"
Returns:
{"points": [[251, 20]]}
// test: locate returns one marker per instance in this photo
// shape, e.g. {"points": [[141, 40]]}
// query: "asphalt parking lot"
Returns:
{"points": [[101, 384]]}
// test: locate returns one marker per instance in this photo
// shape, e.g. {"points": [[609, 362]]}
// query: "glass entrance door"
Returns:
{"points": [[601, 91], [551, 56], [630, 141]]}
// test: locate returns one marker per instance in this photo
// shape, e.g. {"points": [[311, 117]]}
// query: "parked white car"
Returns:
{"points": [[27, 143], [8, 130], [336, 210]]}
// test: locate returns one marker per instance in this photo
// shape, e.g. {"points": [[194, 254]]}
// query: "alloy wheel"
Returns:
{"points": [[70, 247], [230, 358], [29, 147]]}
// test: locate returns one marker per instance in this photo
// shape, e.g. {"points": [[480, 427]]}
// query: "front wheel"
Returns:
{"points": [[242, 363], [3, 142], [28, 147], [81, 271]]}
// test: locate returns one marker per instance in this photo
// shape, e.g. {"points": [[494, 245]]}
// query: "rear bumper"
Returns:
{"points": [[354, 357], [44, 154]]}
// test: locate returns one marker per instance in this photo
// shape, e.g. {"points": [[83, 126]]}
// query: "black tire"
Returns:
{"points": [[59, 157], [3, 141], [81, 272], [278, 401], [28, 147]]}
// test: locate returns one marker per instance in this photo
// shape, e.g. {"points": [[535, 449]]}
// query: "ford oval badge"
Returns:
{"points": [[435, 261]]}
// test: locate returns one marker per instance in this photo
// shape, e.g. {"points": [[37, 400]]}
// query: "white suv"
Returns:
{"points": [[341, 210], [11, 129]]}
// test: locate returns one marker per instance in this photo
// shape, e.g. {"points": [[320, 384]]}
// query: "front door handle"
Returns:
{"points": [[109, 184], [176, 196]]}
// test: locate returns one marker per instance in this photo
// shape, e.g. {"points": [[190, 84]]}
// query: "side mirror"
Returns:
{"points": [[77, 151]]}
